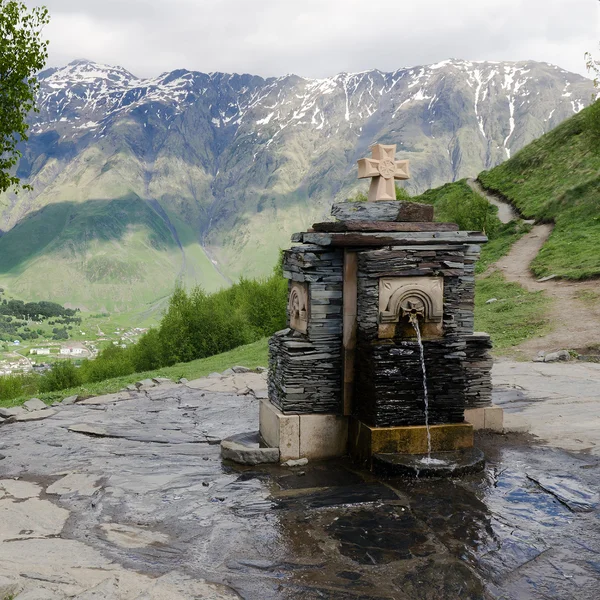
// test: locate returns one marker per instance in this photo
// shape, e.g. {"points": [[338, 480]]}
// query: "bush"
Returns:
{"points": [[111, 362], [401, 194], [13, 386], [63, 375], [458, 203], [198, 325]]}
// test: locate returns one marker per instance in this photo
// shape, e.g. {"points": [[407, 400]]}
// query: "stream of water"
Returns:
{"points": [[415, 323]]}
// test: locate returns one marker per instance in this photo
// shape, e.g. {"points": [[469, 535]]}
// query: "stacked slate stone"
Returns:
{"points": [[389, 378], [479, 371], [390, 239], [389, 390], [305, 370]]}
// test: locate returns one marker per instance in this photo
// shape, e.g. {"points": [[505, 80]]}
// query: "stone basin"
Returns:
{"points": [[438, 464]]}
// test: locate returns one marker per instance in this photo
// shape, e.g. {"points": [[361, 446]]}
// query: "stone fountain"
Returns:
{"points": [[381, 325]]}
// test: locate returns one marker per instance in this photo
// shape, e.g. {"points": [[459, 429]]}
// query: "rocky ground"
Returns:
{"points": [[126, 496]]}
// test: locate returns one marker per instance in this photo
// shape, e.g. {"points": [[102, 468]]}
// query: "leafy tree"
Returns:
{"points": [[23, 53], [63, 375]]}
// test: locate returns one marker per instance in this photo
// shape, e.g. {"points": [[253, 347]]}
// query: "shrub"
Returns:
{"points": [[13, 386], [63, 375], [401, 194], [111, 362]]}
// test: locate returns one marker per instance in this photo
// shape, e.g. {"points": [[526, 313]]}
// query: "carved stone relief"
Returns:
{"points": [[298, 306], [399, 297]]}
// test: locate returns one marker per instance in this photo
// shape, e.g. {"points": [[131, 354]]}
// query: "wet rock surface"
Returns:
{"points": [[149, 510]]}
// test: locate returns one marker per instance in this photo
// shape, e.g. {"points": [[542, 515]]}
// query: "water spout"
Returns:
{"points": [[413, 318]]}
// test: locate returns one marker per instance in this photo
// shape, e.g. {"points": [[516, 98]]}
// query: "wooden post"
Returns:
{"points": [[349, 324]]}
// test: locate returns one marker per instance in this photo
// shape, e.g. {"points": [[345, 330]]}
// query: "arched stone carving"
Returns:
{"points": [[401, 296], [298, 306]]}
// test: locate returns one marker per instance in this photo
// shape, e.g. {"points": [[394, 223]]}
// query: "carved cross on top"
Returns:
{"points": [[383, 168]]}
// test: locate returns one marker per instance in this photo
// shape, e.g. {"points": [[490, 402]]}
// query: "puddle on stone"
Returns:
{"points": [[567, 491], [387, 535], [322, 476]]}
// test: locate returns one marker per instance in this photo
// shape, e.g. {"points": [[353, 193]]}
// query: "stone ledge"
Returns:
{"points": [[365, 441], [487, 417], [245, 449], [312, 436]]}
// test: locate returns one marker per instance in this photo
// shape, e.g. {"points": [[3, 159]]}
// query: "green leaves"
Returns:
{"points": [[23, 53]]}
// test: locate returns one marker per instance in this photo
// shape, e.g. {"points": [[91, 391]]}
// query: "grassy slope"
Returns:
{"points": [[456, 202], [516, 316], [251, 356], [114, 256], [557, 178]]}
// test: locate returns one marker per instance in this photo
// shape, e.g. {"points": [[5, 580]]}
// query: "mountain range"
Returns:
{"points": [[199, 178]]}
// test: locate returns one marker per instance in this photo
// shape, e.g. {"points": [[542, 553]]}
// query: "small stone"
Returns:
{"points": [[491, 300], [239, 369], [34, 404], [228, 373], [13, 411], [131, 388], [145, 383], [161, 380], [214, 376], [36, 415], [182, 380], [261, 370], [556, 356], [69, 400], [296, 463]]}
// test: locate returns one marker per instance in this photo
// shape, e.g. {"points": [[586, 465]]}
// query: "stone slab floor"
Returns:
{"points": [[126, 497]]}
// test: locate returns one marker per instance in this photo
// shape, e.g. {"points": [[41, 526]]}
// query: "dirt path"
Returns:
{"points": [[576, 321], [506, 211]]}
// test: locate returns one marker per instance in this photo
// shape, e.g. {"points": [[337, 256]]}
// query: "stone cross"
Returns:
{"points": [[383, 168]]}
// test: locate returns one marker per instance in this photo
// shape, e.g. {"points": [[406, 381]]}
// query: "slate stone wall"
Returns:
{"points": [[389, 382], [478, 370], [305, 371], [456, 263]]}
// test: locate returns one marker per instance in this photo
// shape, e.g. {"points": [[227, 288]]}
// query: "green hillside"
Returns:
{"points": [[102, 255], [556, 179]]}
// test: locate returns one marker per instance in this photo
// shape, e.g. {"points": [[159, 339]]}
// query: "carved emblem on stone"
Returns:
{"points": [[383, 168], [387, 168], [298, 306], [400, 297]]}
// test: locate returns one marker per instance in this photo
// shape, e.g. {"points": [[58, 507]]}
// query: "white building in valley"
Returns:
{"points": [[44, 351], [66, 351]]}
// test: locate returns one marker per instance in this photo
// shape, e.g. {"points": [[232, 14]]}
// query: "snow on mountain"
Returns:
{"points": [[238, 162], [86, 97]]}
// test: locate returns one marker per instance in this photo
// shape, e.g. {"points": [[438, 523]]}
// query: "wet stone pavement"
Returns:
{"points": [[127, 497]]}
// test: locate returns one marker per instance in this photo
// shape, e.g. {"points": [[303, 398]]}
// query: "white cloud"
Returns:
{"points": [[317, 38]]}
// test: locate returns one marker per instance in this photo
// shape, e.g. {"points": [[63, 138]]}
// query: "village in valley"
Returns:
{"points": [[34, 342]]}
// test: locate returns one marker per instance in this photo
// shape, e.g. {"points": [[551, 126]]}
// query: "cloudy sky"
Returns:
{"points": [[317, 38]]}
